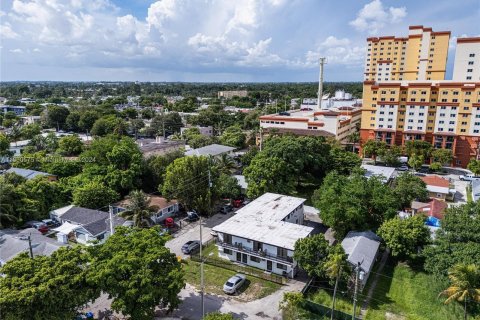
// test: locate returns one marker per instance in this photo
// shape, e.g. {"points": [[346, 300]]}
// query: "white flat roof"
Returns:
{"points": [[437, 189], [261, 220], [387, 172]]}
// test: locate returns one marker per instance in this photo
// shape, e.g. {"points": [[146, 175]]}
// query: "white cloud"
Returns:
{"points": [[160, 11], [373, 16], [337, 51], [7, 32], [16, 50]]}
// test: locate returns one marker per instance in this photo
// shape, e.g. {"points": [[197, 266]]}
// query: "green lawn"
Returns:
{"points": [[342, 303], [404, 294], [215, 277]]}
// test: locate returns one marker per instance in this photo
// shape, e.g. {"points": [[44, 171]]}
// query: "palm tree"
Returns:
{"points": [[139, 209], [333, 267], [354, 138], [225, 163], [465, 285]]}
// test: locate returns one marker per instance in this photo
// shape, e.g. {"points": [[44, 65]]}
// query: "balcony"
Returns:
{"points": [[260, 253]]}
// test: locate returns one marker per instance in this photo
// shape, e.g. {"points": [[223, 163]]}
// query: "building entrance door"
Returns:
{"points": [[269, 265]]}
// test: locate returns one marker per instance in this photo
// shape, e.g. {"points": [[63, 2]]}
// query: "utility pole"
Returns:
{"points": [[110, 216], [320, 83], [30, 245], [357, 276], [163, 123]]}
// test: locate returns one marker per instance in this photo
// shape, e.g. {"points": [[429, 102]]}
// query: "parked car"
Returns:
{"points": [[191, 246], [468, 177], [234, 283], [226, 209], [419, 174], [40, 226], [284, 113], [51, 223], [192, 216], [403, 167]]}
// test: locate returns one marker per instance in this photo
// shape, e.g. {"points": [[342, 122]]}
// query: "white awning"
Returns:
{"points": [[66, 228]]}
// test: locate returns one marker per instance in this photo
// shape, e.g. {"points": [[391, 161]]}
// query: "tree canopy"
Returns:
{"points": [[409, 187], [354, 202]]}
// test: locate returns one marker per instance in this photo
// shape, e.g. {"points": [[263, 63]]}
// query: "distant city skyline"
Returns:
{"points": [[208, 40]]}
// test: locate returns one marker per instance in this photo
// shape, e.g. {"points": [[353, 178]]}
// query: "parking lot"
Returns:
{"points": [[191, 232]]}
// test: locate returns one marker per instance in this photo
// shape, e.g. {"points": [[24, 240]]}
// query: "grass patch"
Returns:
{"points": [[404, 294], [342, 303], [215, 277], [469, 193]]}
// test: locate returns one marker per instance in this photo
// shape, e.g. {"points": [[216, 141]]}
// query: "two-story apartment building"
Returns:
{"points": [[263, 234], [337, 122]]}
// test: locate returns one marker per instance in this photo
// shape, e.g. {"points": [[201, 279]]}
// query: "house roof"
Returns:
{"points": [[97, 227], [241, 181], [361, 247], [434, 180], [156, 201], [386, 172], [27, 173], [433, 208], [14, 242], [261, 220], [210, 150], [83, 216]]}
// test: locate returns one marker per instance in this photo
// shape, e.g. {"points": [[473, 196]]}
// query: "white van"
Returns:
{"points": [[469, 177]]}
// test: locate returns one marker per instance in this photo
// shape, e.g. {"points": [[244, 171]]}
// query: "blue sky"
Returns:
{"points": [[209, 40]]}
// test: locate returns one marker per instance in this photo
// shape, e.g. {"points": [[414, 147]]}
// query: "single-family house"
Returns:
{"points": [[361, 249], [438, 187], [263, 233], [386, 173], [213, 150], [433, 208], [18, 110], [14, 242], [30, 174], [159, 146], [204, 131], [163, 208], [83, 225]]}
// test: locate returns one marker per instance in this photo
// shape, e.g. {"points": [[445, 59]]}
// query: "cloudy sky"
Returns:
{"points": [[209, 40]]}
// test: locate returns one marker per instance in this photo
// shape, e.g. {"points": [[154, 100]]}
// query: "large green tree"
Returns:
{"points": [[53, 287], [187, 180], [457, 241], [442, 156], [311, 253], [374, 148], [409, 187], [391, 156], [139, 209], [94, 195], [233, 136], [137, 271], [70, 145], [404, 236], [354, 202], [268, 174], [55, 117], [474, 166]]}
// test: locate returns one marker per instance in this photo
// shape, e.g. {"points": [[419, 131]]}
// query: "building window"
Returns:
{"points": [[464, 123], [281, 266], [472, 55], [469, 70], [255, 259], [463, 130], [227, 251], [470, 63], [469, 78]]}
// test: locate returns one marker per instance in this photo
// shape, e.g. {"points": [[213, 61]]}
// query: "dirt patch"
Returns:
{"points": [[393, 316]]}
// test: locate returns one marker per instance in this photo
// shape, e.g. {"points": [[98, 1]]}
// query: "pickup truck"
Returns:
{"points": [[469, 177]]}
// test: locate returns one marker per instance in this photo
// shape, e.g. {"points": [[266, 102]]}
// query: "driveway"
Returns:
{"points": [[265, 308], [192, 232], [460, 188]]}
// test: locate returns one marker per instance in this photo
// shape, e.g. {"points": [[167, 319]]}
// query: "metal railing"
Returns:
{"points": [[260, 253]]}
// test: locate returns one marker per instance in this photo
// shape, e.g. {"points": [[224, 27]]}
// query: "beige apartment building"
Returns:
{"points": [[422, 55]]}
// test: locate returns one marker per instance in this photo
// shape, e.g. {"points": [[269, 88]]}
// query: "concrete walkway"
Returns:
{"points": [[371, 290]]}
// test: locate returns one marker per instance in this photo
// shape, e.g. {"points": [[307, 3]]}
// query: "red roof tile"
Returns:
{"points": [[436, 181]]}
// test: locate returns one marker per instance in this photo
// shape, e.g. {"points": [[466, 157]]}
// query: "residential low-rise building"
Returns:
{"points": [[163, 208], [263, 233], [438, 187], [204, 131], [361, 249], [30, 174], [18, 110], [386, 173], [232, 93], [14, 242], [159, 146], [85, 226], [26, 120], [212, 150], [336, 122]]}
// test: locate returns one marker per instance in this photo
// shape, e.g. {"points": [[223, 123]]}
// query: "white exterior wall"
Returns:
{"points": [[463, 62], [389, 116], [424, 54], [475, 122], [283, 124], [384, 71], [165, 213], [444, 117], [416, 118], [295, 216]]}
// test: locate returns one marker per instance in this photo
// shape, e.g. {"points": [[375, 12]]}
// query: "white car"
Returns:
{"points": [[469, 177], [234, 283]]}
